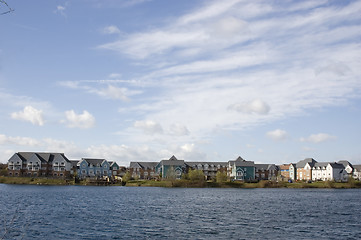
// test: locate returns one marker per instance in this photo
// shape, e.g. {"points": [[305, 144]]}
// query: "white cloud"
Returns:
{"points": [[21, 141], [30, 114], [318, 138], [84, 120], [255, 106], [178, 130], [149, 127], [111, 29], [277, 134]]}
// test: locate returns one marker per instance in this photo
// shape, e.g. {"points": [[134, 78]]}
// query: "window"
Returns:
{"points": [[105, 172]]}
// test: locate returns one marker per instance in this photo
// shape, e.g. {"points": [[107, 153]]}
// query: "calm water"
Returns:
{"points": [[83, 212]]}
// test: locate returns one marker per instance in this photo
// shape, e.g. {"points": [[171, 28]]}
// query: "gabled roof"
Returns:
{"points": [[94, 161], [46, 157], [173, 161], [143, 165], [337, 165], [265, 166], [239, 162], [135, 165], [25, 155], [148, 165], [345, 163], [74, 163], [112, 164], [302, 164]]}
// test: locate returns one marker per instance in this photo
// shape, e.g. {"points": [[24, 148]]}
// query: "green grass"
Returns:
{"points": [[35, 181], [236, 184]]}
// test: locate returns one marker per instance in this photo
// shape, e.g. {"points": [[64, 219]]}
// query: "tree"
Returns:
{"points": [[8, 9], [221, 176], [170, 174], [196, 175], [127, 176]]}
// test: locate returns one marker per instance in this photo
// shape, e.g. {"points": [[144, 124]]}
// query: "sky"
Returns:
{"points": [[142, 80]]}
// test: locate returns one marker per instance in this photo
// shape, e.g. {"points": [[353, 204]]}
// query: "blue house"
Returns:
{"points": [[171, 168], [241, 169], [93, 168]]}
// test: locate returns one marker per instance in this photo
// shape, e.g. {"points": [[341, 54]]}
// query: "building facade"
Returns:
{"points": [[39, 164], [241, 170], [93, 168], [304, 169]]}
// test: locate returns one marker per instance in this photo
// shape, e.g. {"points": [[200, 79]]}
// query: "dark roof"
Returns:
{"points": [[239, 162], [43, 156], [222, 164], [321, 164], [74, 163], [265, 166], [345, 163], [143, 165], [337, 165], [148, 165], [134, 165], [172, 162], [25, 155], [302, 164], [94, 161]]}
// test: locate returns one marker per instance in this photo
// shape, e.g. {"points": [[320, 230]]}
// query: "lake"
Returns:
{"points": [[90, 212]]}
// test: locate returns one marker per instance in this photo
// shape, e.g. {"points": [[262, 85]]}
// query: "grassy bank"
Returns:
{"points": [[185, 183], [35, 181], [260, 184]]}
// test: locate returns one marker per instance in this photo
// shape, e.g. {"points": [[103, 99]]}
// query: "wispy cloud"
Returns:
{"points": [[256, 106], [318, 138], [110, 91], [112, 29], [60, 9]]}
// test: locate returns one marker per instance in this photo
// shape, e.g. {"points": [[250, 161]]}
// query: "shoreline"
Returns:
{"points": [[182, 183]]}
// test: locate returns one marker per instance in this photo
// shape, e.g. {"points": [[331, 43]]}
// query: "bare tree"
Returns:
{"points": [[8, 9]]}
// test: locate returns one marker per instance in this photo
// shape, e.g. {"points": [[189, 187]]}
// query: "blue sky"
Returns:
{"points": [[142, 80]]}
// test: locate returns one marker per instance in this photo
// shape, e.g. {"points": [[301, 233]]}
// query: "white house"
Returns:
{"points": [[357, 172], [327, 171]]}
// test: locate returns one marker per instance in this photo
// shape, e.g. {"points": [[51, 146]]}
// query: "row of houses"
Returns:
{"points": [[34, 164], [311, 170], [239, 169], [39, 164]]}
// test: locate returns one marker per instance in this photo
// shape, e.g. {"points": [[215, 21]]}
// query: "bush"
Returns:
{"points": [[221, 177]]}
